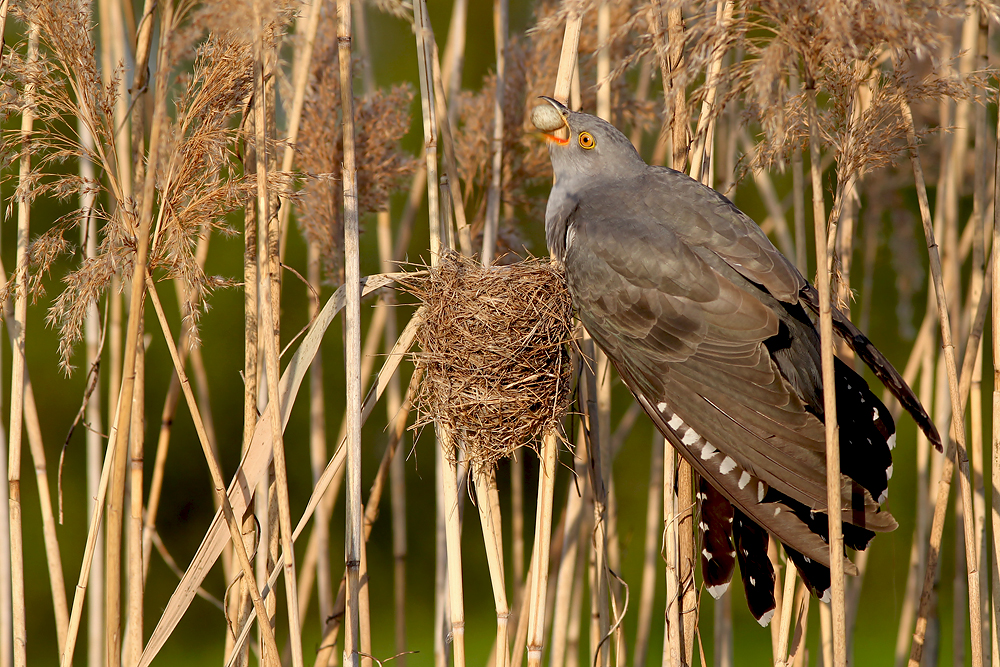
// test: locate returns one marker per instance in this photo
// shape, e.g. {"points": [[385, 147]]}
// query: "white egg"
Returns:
{"points": [[546, 118]]}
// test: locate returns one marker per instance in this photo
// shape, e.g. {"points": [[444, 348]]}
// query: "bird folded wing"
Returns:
{"points": [[707, 219], [690, 343]]}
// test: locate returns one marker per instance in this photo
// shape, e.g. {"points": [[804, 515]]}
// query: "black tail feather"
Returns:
{"points": [[755, 567], [815, 576], [880, 366], [718, 556], [867, 433]]}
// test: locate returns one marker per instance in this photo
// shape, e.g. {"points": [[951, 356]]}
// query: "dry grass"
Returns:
{"points": [[494, 353]]}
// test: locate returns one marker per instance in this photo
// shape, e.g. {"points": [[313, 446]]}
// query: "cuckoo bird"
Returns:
{"points": [[714, 332]]}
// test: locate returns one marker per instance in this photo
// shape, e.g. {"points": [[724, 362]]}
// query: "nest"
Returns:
{"points": [[494, 353]]}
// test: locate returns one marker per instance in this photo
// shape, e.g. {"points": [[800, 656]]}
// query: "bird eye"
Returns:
{"points": [[587, 141]]}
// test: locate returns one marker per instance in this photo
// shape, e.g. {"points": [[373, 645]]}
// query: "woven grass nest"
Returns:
{"points": [[497, 371]]}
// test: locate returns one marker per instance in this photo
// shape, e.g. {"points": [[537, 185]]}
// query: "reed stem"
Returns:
{"points": [[539, 575], [958, 422], [19, 618], [833, 481], [492, 225]]}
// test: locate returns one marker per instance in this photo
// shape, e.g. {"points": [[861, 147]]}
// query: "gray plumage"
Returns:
{"points": [[709, 325]]}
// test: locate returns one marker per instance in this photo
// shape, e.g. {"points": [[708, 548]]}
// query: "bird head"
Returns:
{"points": [[584, 146]]}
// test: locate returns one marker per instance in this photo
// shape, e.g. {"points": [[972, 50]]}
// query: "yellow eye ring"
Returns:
{"points": [[587, 140]]}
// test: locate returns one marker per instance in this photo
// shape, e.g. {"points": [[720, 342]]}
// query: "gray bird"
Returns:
{"points": [[713, 330]]}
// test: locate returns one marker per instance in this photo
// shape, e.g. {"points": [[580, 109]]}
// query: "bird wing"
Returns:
{"points": [[711, 221], [689, 340]]}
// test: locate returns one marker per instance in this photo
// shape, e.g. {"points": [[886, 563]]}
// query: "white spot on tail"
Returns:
{"points": [[703, 525], [765, 619], [718, 591], [708, 556], [675, 421], [807, 559], [752, 582], [727, 465], [708, 451], [760, 491], [882, 496], [874, 414], [888, 472], [776, 510], [825, 597], [744, 480], [690, 437], [662, 407], [891, 442]]}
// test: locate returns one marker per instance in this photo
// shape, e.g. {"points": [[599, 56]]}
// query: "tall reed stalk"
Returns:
{"points": [[19, 619]]}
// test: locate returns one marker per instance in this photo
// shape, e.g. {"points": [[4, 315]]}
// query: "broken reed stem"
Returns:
{"points": [[492, 224], [958, 421], [539, 575], [271, 318], [568, 54], [833, 501], [488, 503], [651, 549], [19, 619]]}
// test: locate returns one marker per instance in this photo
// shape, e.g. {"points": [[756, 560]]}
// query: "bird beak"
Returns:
{"points": [[551, 120]]}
